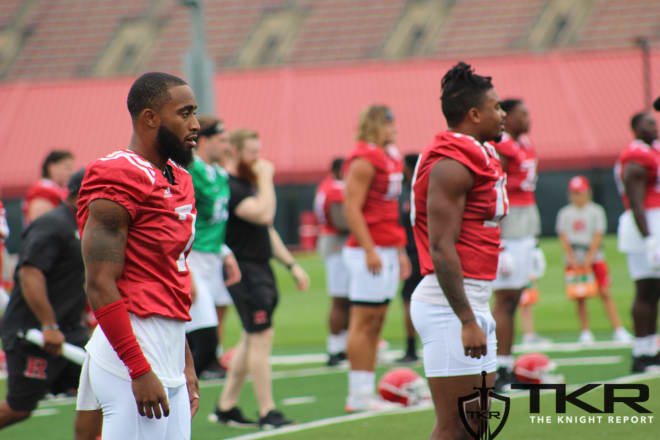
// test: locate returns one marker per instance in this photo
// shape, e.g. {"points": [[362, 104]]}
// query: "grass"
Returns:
{"points": [[300, 324]]}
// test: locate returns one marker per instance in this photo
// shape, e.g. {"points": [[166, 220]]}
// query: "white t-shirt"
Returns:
{"points": [[579, 225], [162, 340]]}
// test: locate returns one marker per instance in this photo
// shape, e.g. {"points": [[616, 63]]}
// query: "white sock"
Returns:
{"points": [[652, 345], [219, 351], [335, 343], [505, 361], [361, 383], [639, 346], [344, 338]]}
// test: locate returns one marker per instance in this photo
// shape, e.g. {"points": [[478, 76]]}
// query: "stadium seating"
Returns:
{"points": [[68, 38]]}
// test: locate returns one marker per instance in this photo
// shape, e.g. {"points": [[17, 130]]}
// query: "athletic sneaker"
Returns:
{"points": [[533, 338], [586, 337], [372, 403], [622, 335], [214, 371], [503, 379], [233, 417], [335, 359], [643, 363], [274, 419]]}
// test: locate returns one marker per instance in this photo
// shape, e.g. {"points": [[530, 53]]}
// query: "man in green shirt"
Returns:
{"points": [[209, 253]]}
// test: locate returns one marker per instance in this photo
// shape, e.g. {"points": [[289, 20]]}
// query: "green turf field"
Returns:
{"points": [[319, 392]]}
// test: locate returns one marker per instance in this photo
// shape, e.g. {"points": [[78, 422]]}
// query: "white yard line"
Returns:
{"points": [[312, 358]]}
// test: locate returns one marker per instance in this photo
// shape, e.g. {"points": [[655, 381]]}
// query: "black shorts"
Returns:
{"points": [[32, 373], [413, 280], [255, 297]]}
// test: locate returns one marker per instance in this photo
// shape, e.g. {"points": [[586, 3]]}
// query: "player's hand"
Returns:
{"points": [[232, 271], [263, 168], [474, 340], [572, 262], [192, 383], [53, 340], [300, 276], [405, 268], [374, 265], [150, 396], [586, 266]]}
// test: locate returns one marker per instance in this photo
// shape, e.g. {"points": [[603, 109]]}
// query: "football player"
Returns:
{"points": [[638, 180], [136, 215], [459, 197], [375, 251]]}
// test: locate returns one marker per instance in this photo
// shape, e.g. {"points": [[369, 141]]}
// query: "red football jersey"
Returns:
{"points": [[521, 169], [44, 189], [155, 280], [330, 191], [381, 206], [479, 240], [647, 156]]}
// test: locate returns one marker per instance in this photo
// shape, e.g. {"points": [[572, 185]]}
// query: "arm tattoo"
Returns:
{"points": [[106, 240]]}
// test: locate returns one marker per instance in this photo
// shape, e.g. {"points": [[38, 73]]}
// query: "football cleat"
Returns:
{"points": [[404, 386], [535, 368]]}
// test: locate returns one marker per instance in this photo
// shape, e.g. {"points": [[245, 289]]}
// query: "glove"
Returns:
{"points": [[505, 264], [538, 263], [652, 252]]}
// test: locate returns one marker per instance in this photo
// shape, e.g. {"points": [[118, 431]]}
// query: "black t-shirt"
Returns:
{"points": [[248, 241], [51, 244], [404, 216]]}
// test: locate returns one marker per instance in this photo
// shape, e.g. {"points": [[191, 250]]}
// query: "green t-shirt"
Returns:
{"points": [[211, 199]]}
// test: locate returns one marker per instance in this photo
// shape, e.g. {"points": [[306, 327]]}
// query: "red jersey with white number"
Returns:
{"points": [[329, 192], [521, 169], [44, 189], [381, 206], [647, 156], [486, 203], [155, 280]]}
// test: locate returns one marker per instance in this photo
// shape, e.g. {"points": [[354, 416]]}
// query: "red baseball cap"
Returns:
{"points": [[578, 184]]}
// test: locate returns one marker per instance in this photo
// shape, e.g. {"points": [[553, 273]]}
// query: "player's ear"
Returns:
{"points": [[474, 115], [150, 118]]}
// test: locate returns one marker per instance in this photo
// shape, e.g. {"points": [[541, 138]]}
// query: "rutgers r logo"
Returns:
{"points": [[35, 368], [476, 412]]}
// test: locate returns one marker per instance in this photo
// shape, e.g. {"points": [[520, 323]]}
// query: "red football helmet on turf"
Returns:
{"points": [[403, 385], [535, 368]]}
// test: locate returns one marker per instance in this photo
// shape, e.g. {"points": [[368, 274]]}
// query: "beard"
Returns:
{"points": [[171, 147], [246, 173]]}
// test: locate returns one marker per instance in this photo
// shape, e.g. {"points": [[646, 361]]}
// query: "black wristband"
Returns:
{"points": [[290, 265]]}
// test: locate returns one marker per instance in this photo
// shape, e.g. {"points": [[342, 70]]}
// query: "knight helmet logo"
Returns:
{"points": [[475, 412]]}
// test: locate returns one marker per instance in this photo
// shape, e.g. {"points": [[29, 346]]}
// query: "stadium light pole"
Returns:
{"points": [[644, 45], [198, 67]]}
